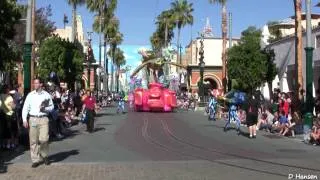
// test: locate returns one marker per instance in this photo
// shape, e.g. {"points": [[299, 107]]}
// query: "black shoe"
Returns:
{"points": [[46, 161], [254, 137], [34, 165], [225, 129]]}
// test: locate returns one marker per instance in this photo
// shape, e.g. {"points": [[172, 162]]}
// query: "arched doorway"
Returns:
{"points": [[84, 81], [210, 83]]}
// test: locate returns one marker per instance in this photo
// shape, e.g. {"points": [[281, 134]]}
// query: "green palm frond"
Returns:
{"points": [[222, 2], [182, 12], [76, 2]]}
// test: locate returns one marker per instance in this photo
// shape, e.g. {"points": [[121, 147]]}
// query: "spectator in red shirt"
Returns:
{"points": [[89, 106]]}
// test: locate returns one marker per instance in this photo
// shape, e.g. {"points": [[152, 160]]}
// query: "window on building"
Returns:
{"points": [[318, 41]]}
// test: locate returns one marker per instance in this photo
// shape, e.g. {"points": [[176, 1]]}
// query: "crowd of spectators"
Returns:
{"points": [[283, 115], [67, 112]]}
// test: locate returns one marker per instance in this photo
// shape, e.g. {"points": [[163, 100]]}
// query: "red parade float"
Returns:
{"points": [[156, 98]]}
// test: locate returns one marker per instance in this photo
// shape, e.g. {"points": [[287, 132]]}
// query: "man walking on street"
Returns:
{"points": [[89, 106], [37, 106]]}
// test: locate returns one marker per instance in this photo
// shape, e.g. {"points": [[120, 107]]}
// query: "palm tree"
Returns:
{"points": [[224, 38], [119, 60], [298, 45], [74, 4], [182, 15], [114, 42], [103, 22], [111, 28], [165, 25]]}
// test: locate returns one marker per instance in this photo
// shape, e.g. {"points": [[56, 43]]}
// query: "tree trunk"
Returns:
{"points": [[73, 30], [298, 47], [112, 68], [117, 78], [224, 45], [106, 63], [270, 90], [178, 45]]}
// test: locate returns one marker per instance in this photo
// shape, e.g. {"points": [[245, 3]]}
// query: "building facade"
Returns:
{"points": [[213, 62], [285, 54], [65, 33], [285, 61]]}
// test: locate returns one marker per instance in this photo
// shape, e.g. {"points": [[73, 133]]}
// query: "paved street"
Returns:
{"points": [[180, 145]]}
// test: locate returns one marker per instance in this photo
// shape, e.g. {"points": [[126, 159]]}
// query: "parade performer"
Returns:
{"points": [[120, 105], [212, 107], [237, 99]]}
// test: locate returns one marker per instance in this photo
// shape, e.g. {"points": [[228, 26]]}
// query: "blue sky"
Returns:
{"points": [[137, 18]]}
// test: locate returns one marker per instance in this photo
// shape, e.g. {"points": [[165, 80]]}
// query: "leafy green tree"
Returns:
{"points": [[248, 64], [63, 57], [182, 15], [9, 16], [271, 68], [44, 26]]}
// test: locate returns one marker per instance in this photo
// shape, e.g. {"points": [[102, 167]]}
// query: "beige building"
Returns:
{"points": [[287, 26], [212, 58], [212, 47], [66, 33]]}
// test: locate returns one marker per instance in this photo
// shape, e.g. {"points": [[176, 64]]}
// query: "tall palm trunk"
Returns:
{"points": [[112, 67], [117, 78], [106, 65], [224, 45], [178, 44], [298, 47], [74, 19]]}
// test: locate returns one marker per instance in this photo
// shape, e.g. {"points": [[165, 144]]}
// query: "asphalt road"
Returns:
{"points": [[180, 145]]}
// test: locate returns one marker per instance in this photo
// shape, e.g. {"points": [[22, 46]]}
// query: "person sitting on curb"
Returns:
{"points": [[266, 121], [315, 134], [284, 122], [291, 125]]}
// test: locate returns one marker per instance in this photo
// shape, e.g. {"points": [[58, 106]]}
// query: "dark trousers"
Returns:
{"points": [[90, 122]]}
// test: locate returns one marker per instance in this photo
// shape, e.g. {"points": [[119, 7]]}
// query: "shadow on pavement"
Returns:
{"points": [[7, 155], [104, 124], [62, 155], [105, 114], [67, 134], [245, 134], [99, 129], [213, 125]]}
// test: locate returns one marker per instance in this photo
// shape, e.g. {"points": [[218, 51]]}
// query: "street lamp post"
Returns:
{"points": [[201, 65], [309, 72], [27, 51], [89, 57]]}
